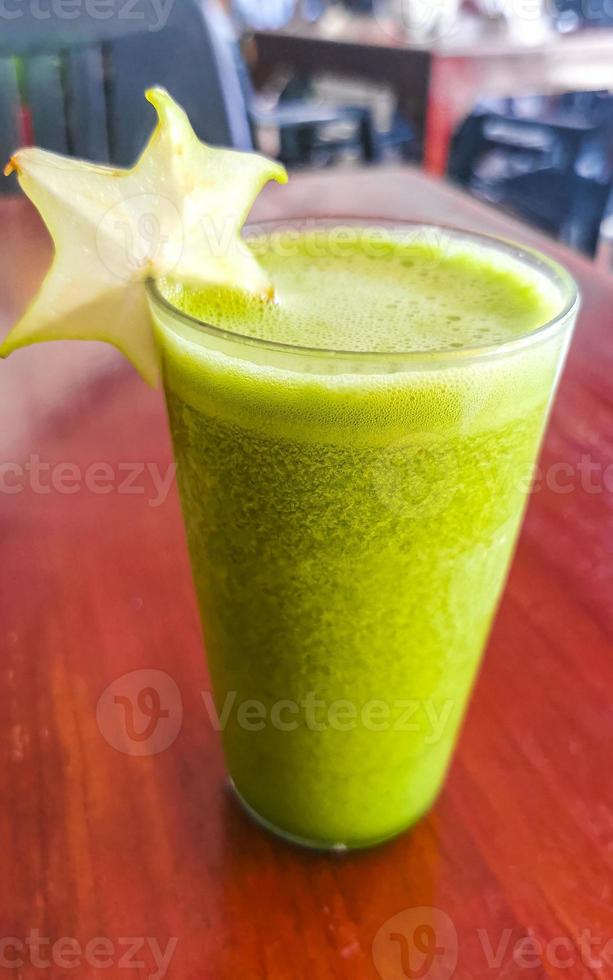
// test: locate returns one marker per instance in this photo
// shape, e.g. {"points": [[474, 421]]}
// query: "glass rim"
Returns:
{"points": [[557, 274]]}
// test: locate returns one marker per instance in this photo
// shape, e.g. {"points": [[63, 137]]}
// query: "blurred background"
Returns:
{"points": [[510, 99]]}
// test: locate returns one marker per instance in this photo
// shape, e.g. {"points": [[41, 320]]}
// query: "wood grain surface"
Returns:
{"points": [[104, 843]]}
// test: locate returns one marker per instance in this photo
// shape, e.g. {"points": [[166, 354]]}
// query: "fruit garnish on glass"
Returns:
{"points": [[177, 213]]}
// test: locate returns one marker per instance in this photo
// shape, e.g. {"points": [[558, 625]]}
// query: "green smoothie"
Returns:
{"points": [[353, 462]]}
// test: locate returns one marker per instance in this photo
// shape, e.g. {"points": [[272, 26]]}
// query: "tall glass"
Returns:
{"points": [[350, 519]]}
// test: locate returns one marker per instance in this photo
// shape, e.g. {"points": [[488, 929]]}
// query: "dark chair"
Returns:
{"points": [[310, 133], [567, 206], [553, 171], [308, 130], [517, 144], [79, 84]]}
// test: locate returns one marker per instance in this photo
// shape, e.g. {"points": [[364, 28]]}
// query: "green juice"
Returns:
{"points": [[353, 462]]}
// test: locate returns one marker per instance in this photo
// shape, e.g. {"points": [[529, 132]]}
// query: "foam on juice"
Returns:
{"points": [[368, 294]]}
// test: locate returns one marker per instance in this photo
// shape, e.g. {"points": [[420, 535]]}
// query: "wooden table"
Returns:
{"points": [[95, 585], [438, 82]]}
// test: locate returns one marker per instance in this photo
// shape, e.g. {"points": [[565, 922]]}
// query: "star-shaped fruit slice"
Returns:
{"points": [[177, 213]]}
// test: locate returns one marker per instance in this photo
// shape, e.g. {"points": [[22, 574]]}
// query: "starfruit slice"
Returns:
{"points": [[178, 213]]}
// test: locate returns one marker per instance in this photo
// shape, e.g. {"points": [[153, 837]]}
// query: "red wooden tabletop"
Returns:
{"points": [[141, 865]]}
